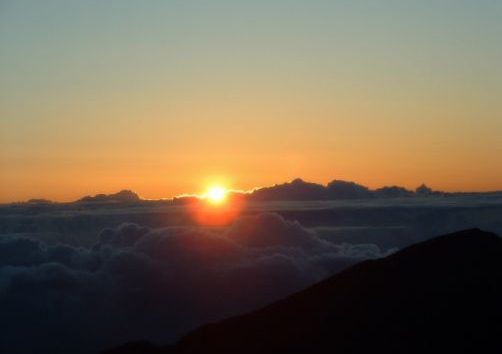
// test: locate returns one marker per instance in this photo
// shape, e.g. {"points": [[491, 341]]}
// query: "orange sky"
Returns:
{"points": [[167, 98]]}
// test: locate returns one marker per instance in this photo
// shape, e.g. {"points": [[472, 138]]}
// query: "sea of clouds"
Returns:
{"points": [[137, 282], [79, 278]]}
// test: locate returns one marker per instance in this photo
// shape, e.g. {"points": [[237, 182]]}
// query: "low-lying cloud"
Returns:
{"points": [[136, 282]]}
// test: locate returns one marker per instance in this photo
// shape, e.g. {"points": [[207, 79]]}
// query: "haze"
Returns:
{"points": [[168, 97]]}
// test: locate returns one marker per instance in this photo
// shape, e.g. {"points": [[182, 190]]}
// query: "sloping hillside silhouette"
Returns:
{"points": [[440, 296]]}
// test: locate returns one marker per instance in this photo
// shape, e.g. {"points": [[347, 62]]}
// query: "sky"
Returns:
{"points": [[168, 97]]}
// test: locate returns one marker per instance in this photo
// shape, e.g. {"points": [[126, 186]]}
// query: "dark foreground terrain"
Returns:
{"points": [[440, 296]]}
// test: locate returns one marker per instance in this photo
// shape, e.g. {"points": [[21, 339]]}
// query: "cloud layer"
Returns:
{"points": [[136, 282]]}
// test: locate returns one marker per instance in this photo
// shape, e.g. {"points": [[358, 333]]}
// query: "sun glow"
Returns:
{"points": [[216, 194], [218, 206]]}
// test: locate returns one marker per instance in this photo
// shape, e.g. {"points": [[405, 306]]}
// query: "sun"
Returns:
{"points": [[216, 194]]}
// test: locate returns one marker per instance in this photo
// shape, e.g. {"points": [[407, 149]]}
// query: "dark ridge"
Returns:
{"points": [[440, 296], [299, 189], [124, 196]]}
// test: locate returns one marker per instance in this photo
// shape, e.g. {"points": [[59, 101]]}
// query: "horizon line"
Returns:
{"points": [[242, 191]]}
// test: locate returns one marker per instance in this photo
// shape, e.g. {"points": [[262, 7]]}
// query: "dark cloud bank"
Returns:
{"points": [[69, 284], [141, 283]]}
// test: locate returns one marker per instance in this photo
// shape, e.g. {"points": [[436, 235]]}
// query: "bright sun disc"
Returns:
{"points": [[216, 194]]}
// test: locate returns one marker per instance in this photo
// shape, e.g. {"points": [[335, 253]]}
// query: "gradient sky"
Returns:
{"points": [[165, 97]]}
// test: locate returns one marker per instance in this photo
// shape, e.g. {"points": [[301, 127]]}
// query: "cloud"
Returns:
{"points": [[20, 251], [335, 190], [269, 230], [136, 282]]}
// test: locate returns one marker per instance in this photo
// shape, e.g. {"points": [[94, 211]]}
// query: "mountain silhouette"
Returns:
{"points": [[440, 296], [299, 189], [124, 196]]}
